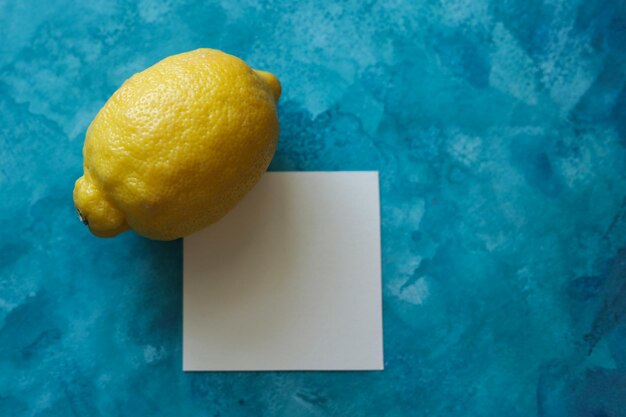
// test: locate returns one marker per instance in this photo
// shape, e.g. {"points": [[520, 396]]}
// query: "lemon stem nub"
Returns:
{"points": [[82, 218], [95, 210]]}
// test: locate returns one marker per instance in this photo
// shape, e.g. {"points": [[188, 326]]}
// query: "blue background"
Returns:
{"points": [[499, 129]]}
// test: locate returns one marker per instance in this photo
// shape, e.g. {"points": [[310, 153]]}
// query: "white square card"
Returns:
{"points": [[289, 280]]}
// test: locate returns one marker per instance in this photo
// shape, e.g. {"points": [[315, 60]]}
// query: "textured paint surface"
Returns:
{"points": [[499, 129]]}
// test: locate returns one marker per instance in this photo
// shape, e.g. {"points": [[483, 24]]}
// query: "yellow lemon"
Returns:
{"points": [[177, 146]]}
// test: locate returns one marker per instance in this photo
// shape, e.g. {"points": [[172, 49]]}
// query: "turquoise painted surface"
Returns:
{"points": [[499, 129]]}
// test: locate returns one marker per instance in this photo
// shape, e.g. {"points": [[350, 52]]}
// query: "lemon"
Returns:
{"points": [[177, 146]]}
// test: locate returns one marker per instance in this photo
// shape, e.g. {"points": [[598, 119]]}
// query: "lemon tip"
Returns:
{"points": [[272, 82]]}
